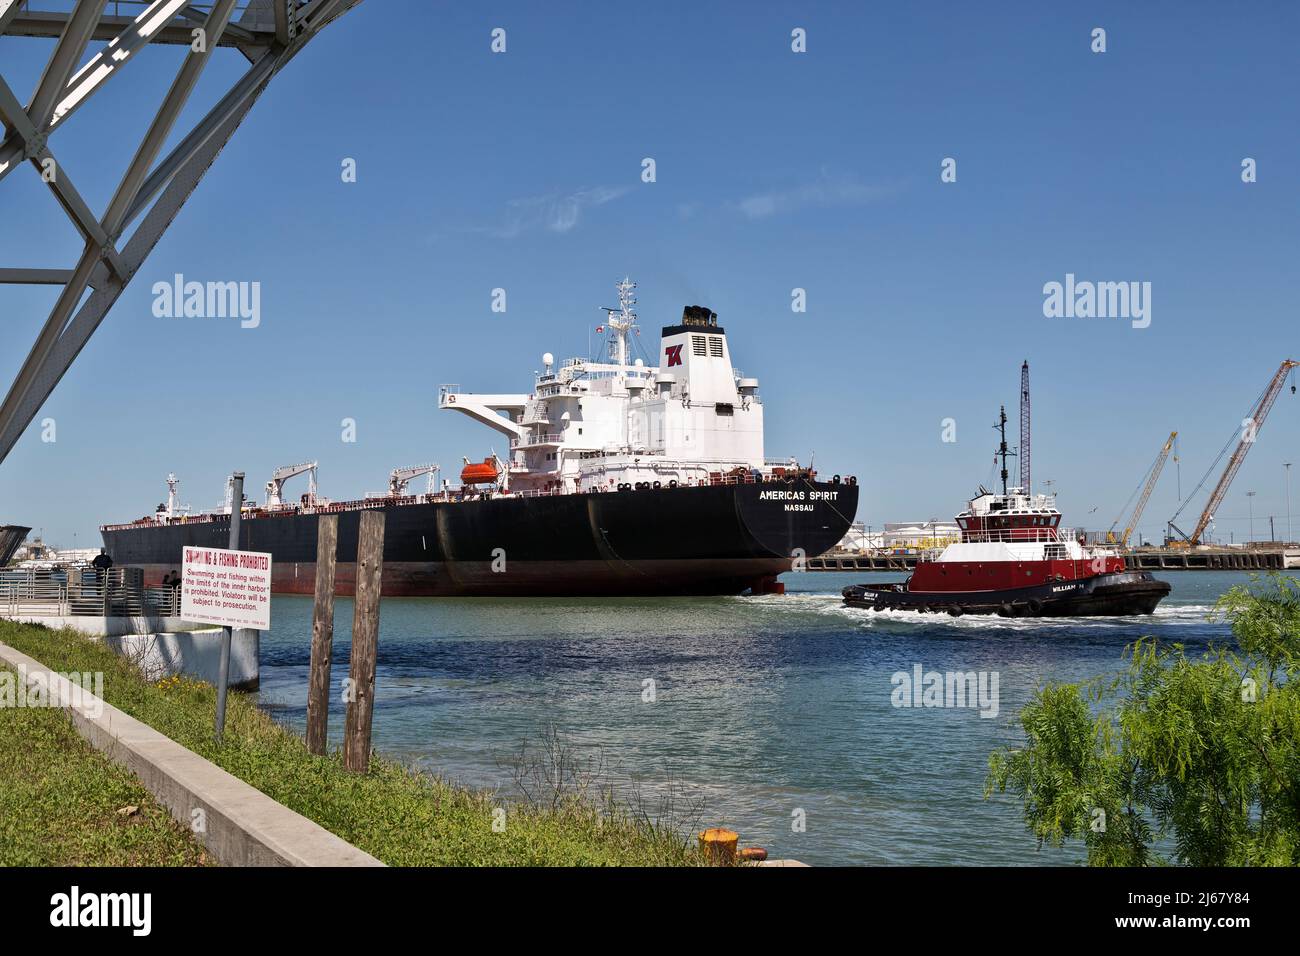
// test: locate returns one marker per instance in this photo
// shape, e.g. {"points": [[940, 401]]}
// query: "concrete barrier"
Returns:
{"points": [[99, 626], [238, 824], [164, 646], [193, 653]]}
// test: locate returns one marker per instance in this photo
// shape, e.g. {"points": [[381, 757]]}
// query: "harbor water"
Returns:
{"points": [[774, 716]]}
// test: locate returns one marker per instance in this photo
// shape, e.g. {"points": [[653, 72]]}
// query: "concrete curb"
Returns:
{"points": [[242, 825]]}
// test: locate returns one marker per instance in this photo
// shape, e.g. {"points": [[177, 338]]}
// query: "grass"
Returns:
{"points": [[399, 815], [60, 801]]}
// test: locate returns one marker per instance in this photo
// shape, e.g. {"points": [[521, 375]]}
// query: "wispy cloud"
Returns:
{"points": [[554, 212], [828, 189]]}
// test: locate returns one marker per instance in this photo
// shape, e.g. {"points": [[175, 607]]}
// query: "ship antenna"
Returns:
{"points": [[1002, 449], [622, 320], [1025, 479]]}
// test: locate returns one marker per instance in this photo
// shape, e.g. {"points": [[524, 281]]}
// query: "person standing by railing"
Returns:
{"points": [[172, 581], [102, 565]]}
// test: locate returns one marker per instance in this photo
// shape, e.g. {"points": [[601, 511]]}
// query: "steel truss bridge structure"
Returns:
{"points": [[268, 33]]}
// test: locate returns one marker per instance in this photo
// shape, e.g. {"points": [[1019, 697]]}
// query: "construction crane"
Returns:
{"points": [[399, 478], [1250, 427], [1024, 428], [275, 487], [1153, 474]]}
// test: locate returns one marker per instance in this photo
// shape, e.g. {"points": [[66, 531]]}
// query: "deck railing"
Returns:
{"points": [[1019, 535], [548, 438], [84, 592]]}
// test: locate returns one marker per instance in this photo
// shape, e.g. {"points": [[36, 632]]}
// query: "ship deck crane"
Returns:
{"points": [[1153, 475], [1250, 427], [275, 487], [399, 478]]}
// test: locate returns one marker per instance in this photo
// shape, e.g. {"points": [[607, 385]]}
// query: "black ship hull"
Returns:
{"points": [[707, 540], [1104, 595]]}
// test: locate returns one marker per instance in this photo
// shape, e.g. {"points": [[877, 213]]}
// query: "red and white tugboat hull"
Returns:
{"points": [[1103, 595], [1014, 559]]}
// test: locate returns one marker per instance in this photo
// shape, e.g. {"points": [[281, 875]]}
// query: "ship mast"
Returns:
{"points": [[1002, 449], [621, 321], [1024, 428]]}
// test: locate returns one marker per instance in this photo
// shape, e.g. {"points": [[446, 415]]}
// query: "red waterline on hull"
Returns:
{"points": [[535, 578]]}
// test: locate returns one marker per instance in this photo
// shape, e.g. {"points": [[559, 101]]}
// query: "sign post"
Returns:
{"points": [[223, 672], [229, 588]]}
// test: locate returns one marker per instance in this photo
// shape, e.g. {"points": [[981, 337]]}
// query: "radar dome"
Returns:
{"points": [[548, 359]]}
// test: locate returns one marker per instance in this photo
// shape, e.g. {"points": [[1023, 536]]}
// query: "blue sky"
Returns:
{"points": [[775, 170]]}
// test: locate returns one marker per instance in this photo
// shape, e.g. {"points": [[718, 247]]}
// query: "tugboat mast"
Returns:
{"points": [[1026, 482], [1002, 449]]}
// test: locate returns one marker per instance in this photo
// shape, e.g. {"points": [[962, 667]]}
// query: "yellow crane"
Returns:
{"points": [[1250, 427], [1153, 474]]}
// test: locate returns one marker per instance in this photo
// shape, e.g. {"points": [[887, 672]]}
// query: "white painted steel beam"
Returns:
{"points": [[13, 114], [101, 268], [171, 107], [247, 87], [72, 43], [35, 23], [60, 92], [8, 11], [35, 276]]}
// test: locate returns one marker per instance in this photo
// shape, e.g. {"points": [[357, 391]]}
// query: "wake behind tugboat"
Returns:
{"points": [[1013, 559]]}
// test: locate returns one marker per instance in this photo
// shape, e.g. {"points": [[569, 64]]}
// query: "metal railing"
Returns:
{"points": [[84, 592], [1019, 536], [548, 438]]}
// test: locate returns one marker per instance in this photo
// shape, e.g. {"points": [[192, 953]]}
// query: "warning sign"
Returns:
{"points": [[228, 588]]}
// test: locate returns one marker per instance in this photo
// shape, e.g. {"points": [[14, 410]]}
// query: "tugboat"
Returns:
{"points": [[1015, 560]]}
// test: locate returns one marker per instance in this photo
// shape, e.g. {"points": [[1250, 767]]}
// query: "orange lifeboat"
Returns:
{"points": [[476, 473]]}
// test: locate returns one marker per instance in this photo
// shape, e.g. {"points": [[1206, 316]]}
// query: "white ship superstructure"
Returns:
{"points": [[622, 476], [1016, 526], [598, 426]]}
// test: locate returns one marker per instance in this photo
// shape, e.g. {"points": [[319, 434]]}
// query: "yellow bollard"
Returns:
{"points": [[719, 845]]}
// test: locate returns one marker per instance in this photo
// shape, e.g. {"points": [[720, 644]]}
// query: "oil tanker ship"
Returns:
{"points": [[621, 478]]}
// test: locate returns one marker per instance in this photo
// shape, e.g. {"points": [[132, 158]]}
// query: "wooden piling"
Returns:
{"points": [[365, 642], [322, 634]]}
